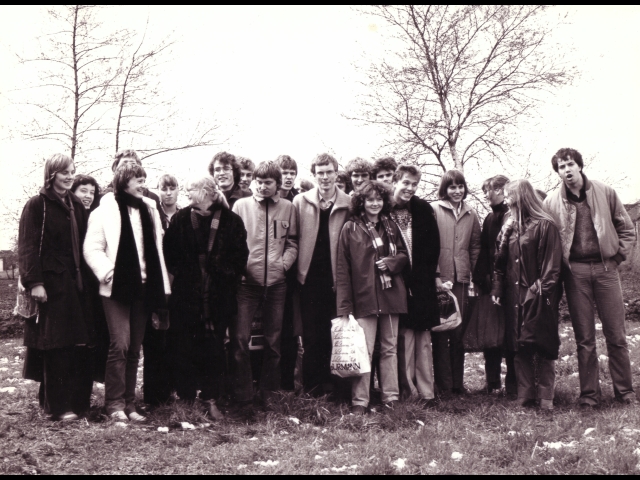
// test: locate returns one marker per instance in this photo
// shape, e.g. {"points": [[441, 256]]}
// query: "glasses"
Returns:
{"points": [[222, 169], [325, 174]]}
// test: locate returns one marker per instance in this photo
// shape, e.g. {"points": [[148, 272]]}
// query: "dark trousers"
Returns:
{"points": [[198, 361], [318, 308], [493, 369], [67, 380], [126, 331], [288, 342], [448, 350], [157, 373], [249, 298]]}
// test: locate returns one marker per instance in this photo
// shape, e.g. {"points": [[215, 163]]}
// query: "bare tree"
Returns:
{"points": [[75, 70], [461, 80]]}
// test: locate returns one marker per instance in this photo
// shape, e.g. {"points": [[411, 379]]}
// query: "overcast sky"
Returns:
{"points": [[280, 79]]}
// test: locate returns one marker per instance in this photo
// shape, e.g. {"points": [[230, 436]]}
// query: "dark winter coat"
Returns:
{"points": [[420, 276], [235, 194], [63, 320], [226, 265], [483, 271], [536, 256], [359, 290]]}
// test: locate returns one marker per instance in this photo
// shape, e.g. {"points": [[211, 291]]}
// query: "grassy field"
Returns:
{"points": [[472, 434]]}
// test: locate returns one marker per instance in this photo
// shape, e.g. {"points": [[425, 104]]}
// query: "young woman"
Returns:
{"points": [[528, 266], [371, 258], [52, 228], [124, 249], [206, 250], [459, 229], [87, 190]]}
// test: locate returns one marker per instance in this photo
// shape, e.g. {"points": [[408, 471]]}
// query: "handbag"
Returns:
{"points": [[486, 327], [349, 352], [26, 305], [450, 317]]}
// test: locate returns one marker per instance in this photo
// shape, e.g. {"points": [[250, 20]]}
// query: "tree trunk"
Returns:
{"points": [[457, 163], [76, 119]]}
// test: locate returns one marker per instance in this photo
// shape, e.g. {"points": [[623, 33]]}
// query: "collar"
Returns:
{"points": [[582, 196], [53, 196], [332, 199], [259, 199], [340, 199], [499, 208], [462, 209], [406, 206]]}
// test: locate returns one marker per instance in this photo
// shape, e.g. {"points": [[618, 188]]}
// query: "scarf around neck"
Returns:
{"points": [[378, 244], [67, 202], [127, 277]]}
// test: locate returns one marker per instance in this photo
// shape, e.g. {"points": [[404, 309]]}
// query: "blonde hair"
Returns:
{"points": [[207, 187], [55, 163], [526, 202]]}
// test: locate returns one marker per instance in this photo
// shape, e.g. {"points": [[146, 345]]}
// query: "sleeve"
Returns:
{"points": [[623, 225], [502, 258], [474, 243], [29, 235], [481, 273], [433, 242], [344, 292], [235, 260], [399, 262], [549, 257], [291, 242], [95, 246]]}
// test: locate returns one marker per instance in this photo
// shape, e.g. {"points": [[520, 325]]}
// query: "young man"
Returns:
{"points": [[597, 234], [493, 189], [169, 192], [246, 173], [225, 171], [322, 212], [383, 170], [359, 171], [289, 169], [419, 229], [343, 181], [272, 238]]}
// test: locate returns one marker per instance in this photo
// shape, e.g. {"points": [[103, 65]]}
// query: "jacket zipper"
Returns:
{"points": [[266, 246]]}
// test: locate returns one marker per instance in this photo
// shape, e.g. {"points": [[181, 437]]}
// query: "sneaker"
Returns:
{"points": [[136, 417], [67, 417], [119, 416], [358, 410]]}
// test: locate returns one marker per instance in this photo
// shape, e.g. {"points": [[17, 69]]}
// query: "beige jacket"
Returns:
{"points": [[307, 207], [615, 230]]}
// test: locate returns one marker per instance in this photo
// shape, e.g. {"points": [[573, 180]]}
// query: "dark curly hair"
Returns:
{"points": [[357, 200], [345, 178], [226, 159], [567, 154], [384, 163]]}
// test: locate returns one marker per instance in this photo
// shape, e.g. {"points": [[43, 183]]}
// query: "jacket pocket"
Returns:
{"points": [[281, 228]]}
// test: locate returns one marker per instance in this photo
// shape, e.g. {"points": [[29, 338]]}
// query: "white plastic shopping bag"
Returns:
{"points": [[450, 317], [349, 353]]}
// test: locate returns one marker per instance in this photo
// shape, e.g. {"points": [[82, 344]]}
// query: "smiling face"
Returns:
{"points": [[326, 178], [266, 187], [385, 176], [86, 193], [373, 205], [169, 195], [455, 193], [288, 178], [245, 179], [405, 188], [569, 171], [223, 175], [358, 179], [63, 181], [136, 187]]}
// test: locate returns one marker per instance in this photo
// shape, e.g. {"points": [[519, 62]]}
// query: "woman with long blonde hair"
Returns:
{"points": [[526, 280]]}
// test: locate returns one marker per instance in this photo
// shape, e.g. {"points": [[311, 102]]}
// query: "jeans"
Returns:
{"points": [[599, 282], [448, 350], [249, 298], [388, 359], [126, 331], [415, 363], [526, 375], [493, 368]]}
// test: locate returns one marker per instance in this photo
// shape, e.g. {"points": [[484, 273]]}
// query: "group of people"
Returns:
{"points": [[186, 283]]}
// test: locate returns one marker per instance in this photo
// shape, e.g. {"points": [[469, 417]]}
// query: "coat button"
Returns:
{"points": [[516, 283], [517, 260]]}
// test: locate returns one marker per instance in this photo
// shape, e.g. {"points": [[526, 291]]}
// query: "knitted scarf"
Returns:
{"points": [[67, 202], [203, 255], [127, 277], [378, 244]]}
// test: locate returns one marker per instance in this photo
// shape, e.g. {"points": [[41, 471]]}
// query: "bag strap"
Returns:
{"points": [[44, 216]]}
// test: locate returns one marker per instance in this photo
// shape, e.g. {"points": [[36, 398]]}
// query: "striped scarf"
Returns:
{"points": [[202, 260], [378, 245]]}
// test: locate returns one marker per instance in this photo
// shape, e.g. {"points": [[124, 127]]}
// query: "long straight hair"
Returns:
{"points": [[526, 202]]}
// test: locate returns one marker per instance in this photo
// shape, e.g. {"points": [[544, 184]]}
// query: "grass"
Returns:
{"points": [[304, 435]]}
